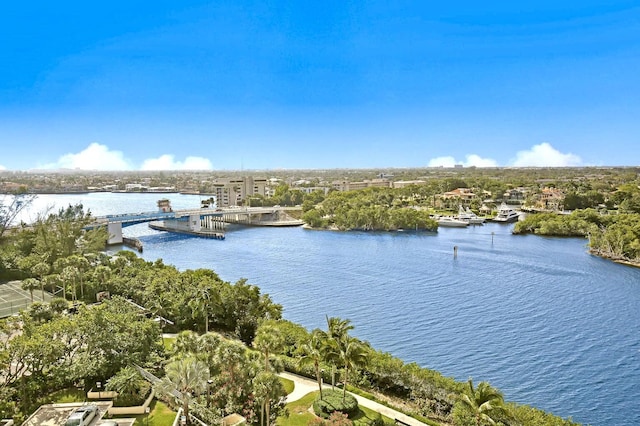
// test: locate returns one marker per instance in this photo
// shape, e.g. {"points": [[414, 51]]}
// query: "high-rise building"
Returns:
{"points": [[234, 191]]}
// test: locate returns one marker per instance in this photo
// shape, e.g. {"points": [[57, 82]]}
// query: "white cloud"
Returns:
{"points": [[544, 155], [100, 157], [93, 157], [167, 162], [471, 160], [2, 167], [477, 161], [442, 162]]}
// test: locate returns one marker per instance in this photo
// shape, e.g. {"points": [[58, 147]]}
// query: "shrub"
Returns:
{"points": [[332, 401], [336, 419], [130, 400]]}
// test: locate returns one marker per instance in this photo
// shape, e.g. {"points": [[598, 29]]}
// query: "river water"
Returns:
{"points": [[548, 324]]}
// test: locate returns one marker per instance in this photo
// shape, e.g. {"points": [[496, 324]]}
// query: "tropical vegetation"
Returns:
{"points": [[372, 209], [615, 236], [231, 344]]}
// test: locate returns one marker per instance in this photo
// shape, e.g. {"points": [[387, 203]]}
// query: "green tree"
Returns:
{"points": [[52, 281], [483, 402], [233, 369], [353, 354], [189, 377], [58, 305], [69, 274], [187, 343], [101, 275], [205, 298], [113, 335], [82, 265], [63, 234], [128, 383], [337, 330], [311, 352], [41, 269], [243, 307], [30, 284], [267, 388], [268, 340]]}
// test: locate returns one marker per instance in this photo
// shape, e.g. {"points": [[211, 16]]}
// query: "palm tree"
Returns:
{"points": [[101, 274], [52, 281], [30, 284], [41, 269], [188, 376], [266, 388], [58, 305], [353, 354], [186, 343], [81, 264], [69, 273], [208, 344], [127, 382], [268, 339], [203, 299], [312, 352], [230, 355], [483, 401], [337, 330]]}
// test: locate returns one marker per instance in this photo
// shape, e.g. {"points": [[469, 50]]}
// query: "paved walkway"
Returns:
{"points": [[304, 385]]}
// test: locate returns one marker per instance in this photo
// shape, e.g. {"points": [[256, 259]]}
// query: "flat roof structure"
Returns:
{"points": [[57, 414]]}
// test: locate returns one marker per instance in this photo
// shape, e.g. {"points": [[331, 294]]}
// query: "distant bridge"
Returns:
{"points": [[189, 220]]}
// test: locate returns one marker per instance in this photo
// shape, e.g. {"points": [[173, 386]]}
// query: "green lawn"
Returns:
{"points": [[299, 414], [167, 342], [160, 415], [366, 415], [288, 385], [66, 396]]}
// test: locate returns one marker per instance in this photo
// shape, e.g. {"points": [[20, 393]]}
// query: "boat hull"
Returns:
{"points": [[510, 219], [452, 223]]}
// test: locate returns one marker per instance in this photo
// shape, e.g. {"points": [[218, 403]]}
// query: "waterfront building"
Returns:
{"points": [[134, 187], [515, 195], [233, 191], [462, 196], [550, 199]]}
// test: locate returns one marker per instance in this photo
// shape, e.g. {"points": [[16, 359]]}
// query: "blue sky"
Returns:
{"points": [[335, 84]]}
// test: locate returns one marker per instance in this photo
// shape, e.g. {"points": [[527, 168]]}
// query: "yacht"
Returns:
{"points": [[470, 217], [450, 222], [506, 214]]}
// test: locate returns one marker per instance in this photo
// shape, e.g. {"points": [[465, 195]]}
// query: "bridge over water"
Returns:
{"points": [[200, 221]]}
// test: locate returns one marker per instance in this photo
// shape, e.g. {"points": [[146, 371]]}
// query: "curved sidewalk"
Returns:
{"points": [[304, 385]]}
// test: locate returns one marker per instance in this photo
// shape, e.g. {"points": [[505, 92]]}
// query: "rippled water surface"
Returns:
{"points": [[539, 318]]}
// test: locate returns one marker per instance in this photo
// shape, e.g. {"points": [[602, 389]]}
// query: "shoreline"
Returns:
{"points": [[620, 260], [336, 229]]}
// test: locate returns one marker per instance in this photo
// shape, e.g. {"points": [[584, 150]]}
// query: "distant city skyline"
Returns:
{"points": [[229, 85]]}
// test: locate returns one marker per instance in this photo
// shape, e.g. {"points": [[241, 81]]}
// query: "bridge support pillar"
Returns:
{"points": [[194, 222], [115, 233]]}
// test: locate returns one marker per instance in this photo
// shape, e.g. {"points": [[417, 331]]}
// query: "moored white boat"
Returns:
{"points": [[470, 217], [451, 222], [506, 214]]}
